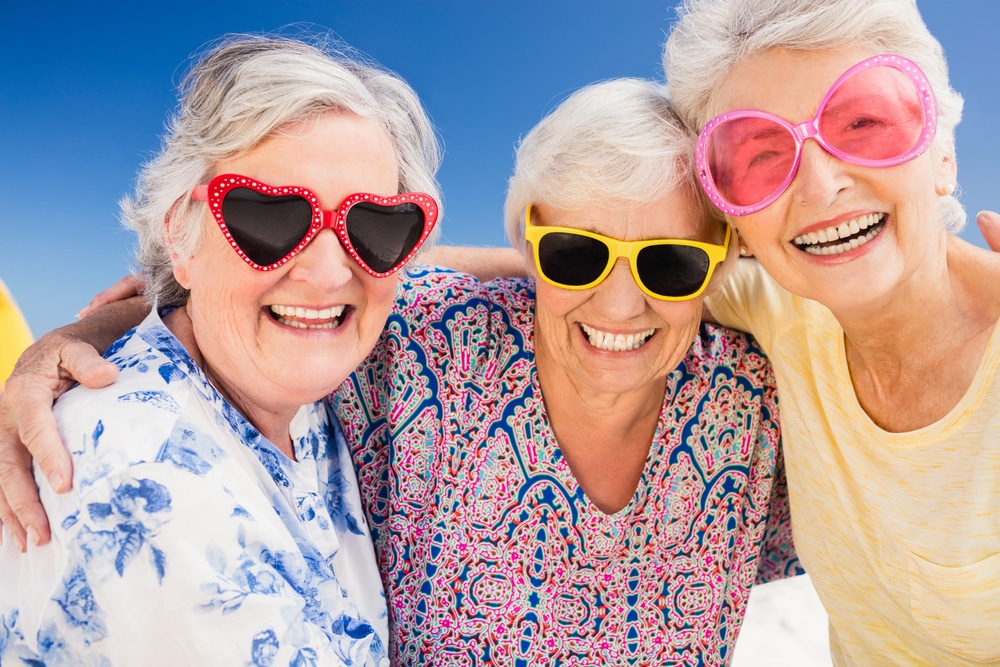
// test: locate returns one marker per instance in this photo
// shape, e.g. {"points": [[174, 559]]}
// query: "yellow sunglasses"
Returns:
{"points": [[666, 269]]}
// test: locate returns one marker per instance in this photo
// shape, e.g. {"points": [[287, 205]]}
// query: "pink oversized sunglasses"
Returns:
{"points": [[879, 113], [268, 225]]}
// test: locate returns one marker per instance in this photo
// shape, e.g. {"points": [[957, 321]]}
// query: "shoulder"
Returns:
{"points": [[433, 291], [159, 409], [720, 347]]}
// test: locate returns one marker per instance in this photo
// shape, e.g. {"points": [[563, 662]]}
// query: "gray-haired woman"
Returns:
{"points": [[827, 137], [215, 516]]}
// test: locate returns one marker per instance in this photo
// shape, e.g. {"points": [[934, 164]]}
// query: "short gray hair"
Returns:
{"points": [[710, 37], [237, 95], [617, 142]]}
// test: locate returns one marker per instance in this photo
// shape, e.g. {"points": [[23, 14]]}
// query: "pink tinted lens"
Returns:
{"points": [[873, 117], [875, 114], [749, 158]]}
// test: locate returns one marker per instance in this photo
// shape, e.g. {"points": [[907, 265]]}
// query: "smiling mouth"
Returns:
{"points": [[309, 318], [610, 342], [844, 237]]}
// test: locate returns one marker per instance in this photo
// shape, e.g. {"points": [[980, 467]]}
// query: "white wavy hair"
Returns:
{"points": [[710, 37], [617, 142], [238, 94]]}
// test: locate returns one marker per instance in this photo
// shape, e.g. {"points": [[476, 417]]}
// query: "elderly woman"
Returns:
{"points": [[827, 138], [570, 469], [215, 515], [573, 470]]}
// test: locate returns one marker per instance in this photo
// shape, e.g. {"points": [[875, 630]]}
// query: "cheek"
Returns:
{"points": [[681, 315], [379, 293], [556, 302]]}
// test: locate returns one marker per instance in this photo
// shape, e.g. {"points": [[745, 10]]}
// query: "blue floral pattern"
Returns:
{"points": [[189, 538]]}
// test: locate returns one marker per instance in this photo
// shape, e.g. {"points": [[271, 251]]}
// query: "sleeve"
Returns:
{"points": [[751, 301], [164, 567], [778, 559]]}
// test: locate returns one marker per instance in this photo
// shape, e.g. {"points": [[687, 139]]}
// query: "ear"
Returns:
{"points": [[181, 264], [946, 175]]}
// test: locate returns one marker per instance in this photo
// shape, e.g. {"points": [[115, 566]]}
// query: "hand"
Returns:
{"points": [[44, 372], [989, 225], [130, 285]]}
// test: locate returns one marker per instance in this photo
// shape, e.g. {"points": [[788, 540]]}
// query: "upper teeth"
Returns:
{"points": [[604, 340], [810, 242], [327, 316]]}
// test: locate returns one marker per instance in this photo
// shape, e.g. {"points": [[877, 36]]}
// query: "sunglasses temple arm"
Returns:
{"points": [[200, 193]]}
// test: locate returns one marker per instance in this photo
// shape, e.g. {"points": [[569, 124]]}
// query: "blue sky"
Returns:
{"points": [[85, 89]]}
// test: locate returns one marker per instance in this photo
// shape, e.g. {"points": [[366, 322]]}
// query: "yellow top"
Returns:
{"points": [[900, 532], [14, 334]]}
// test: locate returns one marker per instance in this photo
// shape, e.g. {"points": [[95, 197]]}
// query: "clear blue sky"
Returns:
{"points": [[85, 88]]}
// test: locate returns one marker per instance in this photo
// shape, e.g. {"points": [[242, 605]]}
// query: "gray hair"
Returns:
{"points": [[710, 37], [617, 142], [238, 94]]}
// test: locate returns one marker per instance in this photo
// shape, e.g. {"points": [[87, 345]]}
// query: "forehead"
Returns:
{"points": [[333, 154], [677, 215], [785, 82]]}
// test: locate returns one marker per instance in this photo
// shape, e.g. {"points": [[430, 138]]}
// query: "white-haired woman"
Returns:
{"points": [[570, 469], [827, 139], [215, 516], [575, 471]]}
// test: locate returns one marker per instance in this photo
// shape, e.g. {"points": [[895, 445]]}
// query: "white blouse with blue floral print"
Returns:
{"points": [[188, 538]]}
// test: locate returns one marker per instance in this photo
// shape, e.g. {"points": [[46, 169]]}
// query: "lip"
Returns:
{"points": [[624, 338], [863, 229], [834, 222], [305, 316]]}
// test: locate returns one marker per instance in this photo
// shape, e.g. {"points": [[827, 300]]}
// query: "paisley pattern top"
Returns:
{"points": [[490, 551], [188, 538]]}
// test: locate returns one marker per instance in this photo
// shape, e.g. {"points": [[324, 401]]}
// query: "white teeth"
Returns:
{"points": [[604, 340], [327, 317], [810, 242]]}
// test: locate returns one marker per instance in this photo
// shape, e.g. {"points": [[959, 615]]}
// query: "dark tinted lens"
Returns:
{"points": [[570, 259], [265, 227], [384, 235], [672, 270]]}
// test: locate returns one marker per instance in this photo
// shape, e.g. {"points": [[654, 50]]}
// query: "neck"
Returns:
{"points": [[604, 437], [937, 325], [273, 424]]}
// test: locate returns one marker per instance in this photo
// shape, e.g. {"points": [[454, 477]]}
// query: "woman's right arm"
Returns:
{"points": [[27, 429]]}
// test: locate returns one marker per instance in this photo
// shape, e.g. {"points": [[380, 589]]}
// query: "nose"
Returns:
{"points": [[618, 297], [820, 177], [324, 263]]}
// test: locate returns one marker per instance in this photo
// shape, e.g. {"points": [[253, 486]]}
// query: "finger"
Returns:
{"points": [[126, 286], [989, 225], [14, 527], [37, 429], [20, 508], [83, 363]]}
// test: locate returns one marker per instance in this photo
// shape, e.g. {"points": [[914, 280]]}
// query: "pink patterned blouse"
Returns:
{"points": [[490, 552]]}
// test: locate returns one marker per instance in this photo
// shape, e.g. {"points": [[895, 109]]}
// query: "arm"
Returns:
{"points": [[483, 263], [46, 370]]}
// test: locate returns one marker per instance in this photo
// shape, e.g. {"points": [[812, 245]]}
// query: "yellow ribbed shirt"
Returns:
{"points": [[900, 532]]}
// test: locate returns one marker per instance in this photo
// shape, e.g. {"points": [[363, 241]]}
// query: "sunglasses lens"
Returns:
{"points": [[875, 114], [571, 259], [383, 236], [749, 158], [672, 270], [265, 227]]}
